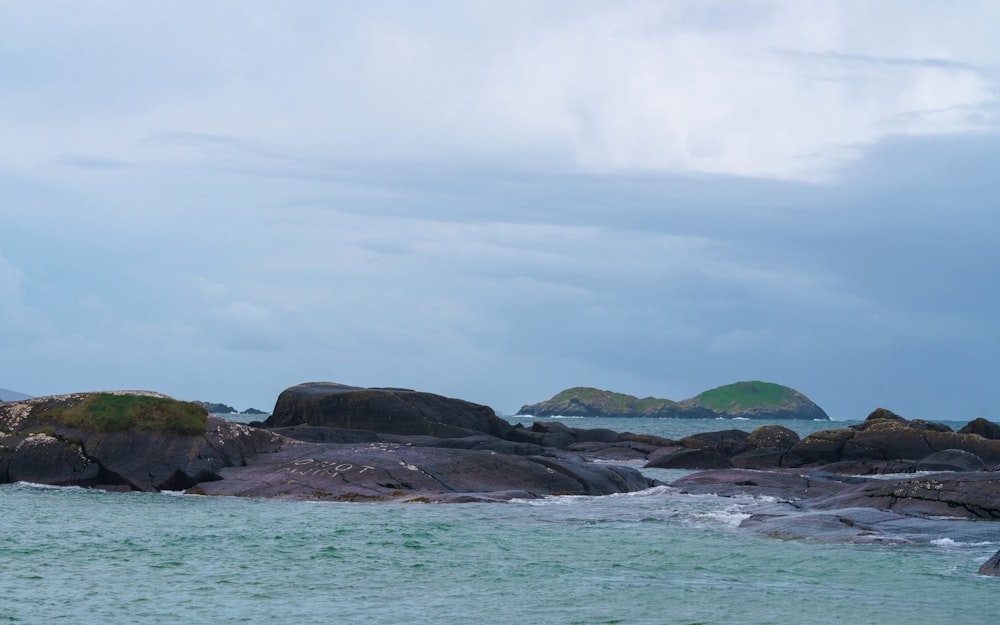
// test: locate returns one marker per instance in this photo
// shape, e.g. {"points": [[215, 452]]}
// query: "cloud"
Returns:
{"points": [[495, 204], [786, 91]]}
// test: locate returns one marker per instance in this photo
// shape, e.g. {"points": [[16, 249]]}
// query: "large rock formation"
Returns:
{"points": [[752, 400], [124, 440], [383, 410], [415, 447]]}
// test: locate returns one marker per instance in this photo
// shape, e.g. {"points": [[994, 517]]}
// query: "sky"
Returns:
{"points": [[497, 201]]}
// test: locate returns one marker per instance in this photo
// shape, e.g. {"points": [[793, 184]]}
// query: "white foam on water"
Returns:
{"points": [[948, 543], [730, 516], [35, 485]]}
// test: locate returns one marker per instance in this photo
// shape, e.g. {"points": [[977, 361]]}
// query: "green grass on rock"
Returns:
{"points": [[107, 412]]}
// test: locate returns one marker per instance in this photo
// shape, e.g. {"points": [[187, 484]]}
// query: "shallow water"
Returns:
{"points": [[82, 557]]}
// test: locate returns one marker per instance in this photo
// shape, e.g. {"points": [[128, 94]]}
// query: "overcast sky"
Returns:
{"points": [[499, 200]]}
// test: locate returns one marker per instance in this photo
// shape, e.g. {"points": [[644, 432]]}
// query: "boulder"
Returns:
{"points": [[821, 447], [760, 458], [724, 442], [982, 427], [950, 460], [771, 436], [688, 459], [383, 410]]}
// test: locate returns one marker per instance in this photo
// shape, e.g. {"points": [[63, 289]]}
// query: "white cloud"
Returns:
{"points": [[778, 92]]}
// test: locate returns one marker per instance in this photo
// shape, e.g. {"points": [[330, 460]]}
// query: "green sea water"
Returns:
{"points": [[70, 555]]}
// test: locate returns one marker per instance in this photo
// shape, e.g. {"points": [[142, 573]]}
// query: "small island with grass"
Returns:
{"points": [[748, 400]]}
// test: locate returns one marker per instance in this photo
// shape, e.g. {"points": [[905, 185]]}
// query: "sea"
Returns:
{"points": [[77, 556]]}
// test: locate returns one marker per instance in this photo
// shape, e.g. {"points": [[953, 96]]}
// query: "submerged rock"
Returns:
{"points": [[992, 566]]}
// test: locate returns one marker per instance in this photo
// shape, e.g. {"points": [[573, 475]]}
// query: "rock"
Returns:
{"points": [[781, 484], [885, 436], [951, 460], [386, 471], [982, 427], [966, 495], [868, 467], [253, 411], [724, 442], [133, 440], [146, 441], [688, 459], [558, 435], [43, 459], [992, 566], [821, 447], [760, 458], [771, 436], [383, 410], [646, 439], [624, 451]]}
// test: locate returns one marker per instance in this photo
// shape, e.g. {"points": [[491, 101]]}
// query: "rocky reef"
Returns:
{"points": [[751, 400]]}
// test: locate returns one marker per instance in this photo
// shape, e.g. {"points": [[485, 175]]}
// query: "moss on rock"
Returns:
{"points": [[109, 412]]}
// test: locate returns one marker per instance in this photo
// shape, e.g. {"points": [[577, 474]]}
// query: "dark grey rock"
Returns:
{"points": [[992, 566], [982, 427], [688, 459], [951, 460], [383, 410]]}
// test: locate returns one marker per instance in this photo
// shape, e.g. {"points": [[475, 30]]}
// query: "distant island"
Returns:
{"points": [[749, 400], [217, 408], [8, 395]]}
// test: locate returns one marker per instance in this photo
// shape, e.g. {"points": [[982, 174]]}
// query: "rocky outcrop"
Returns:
{"points": [[886, 437], [982, 427], [48, 440], [147, 441], [753, 400], [883, 443], [970, 495], [392, 471]]}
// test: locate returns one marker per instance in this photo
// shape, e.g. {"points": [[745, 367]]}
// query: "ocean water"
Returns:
{"points": [[70, 555]]}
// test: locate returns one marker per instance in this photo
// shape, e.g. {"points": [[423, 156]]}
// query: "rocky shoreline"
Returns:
{"points": [[330, 442]]}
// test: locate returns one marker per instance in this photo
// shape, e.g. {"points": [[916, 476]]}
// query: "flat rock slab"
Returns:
{"points": [[387, 471], [970, 495], [865, 526]]}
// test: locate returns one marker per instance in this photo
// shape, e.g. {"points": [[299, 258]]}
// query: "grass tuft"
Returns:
{"points": [[108, 412]]}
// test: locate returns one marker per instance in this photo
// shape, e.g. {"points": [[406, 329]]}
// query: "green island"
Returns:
{"points": [[749, 399]]}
